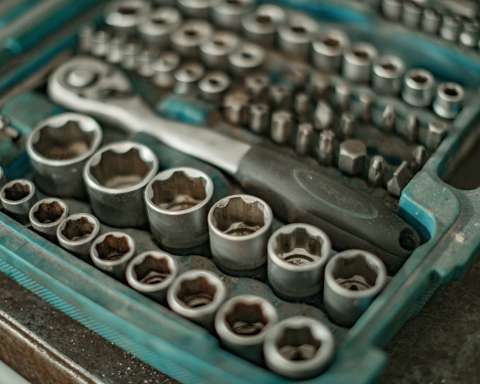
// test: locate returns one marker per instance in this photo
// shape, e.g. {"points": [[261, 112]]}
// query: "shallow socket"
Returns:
{"points": [[46, 215]]}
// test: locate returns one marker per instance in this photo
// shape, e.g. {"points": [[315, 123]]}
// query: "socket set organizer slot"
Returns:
{"points": [[239, 191]]}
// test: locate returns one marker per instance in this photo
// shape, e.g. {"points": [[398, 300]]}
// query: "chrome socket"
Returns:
{"points": [[17, 197], [152, 273], [431, 21], [412, 14], [392, 9], [197, 295], [115, 177], [156, 29], [46, 215], [214, 85], [77, 232], [111, 252], [261, 26], [418, 88], [257, 86], [282, 126], [228, 14], [358, 62], [451, 27], [187, 39], [388, 74], [295, 36], [164, 68], [304, 139], [247, 58], [353, 279], [197, 8], [259, 118], [218, 48], [239, 227], [235, 107], [242, 322], [177, 202], [126, 15], [470, 35], [328, 50], [298, 347], [60, 146], [449, 100], [297, 254], [187, 77]]}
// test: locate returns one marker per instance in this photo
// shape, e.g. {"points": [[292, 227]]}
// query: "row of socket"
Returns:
{"points": [[453, 28], [295, 33]]}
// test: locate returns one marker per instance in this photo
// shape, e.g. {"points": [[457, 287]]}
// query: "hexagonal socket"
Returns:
{"points": [[125, 16], [297, 254], [17, 197], [58, 149], [242, 322], [298, 347], [351, 157], [177, 202], [261, 26], [46, 215], [152, 273], [239, 227], [328, 50], [77, 232], [156, 29]]}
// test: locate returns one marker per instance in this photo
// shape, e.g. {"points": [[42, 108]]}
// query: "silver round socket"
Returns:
{"points": [[46, 215], [152, 273], [261, 26], [297, 254], [239, 227], [177, 203], [295, 36], [358, 62], [197, 295], [247, 58], [242, 322], [229, 13], [353, 279], [328, 50], [115, 177], [157, 27], [58, 149], [125, 16], [298, 347], [77, 232], [111, 252], [218, 48], [187, 77], [188, 38], [418, 87], [214, 85], [388, 74], [197, 8], [449, 100], [17, 197], [164, 67]]}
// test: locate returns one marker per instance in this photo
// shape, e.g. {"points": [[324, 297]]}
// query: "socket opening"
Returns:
{"points": [[246, 319], [355, 273], [128, 9], [16, 191], [451, 91], [298, 343], [153, 270], [196, 292], [264, 19], [78, 229], [239, 217], [49, 212], [112, 247], [299, 247]]}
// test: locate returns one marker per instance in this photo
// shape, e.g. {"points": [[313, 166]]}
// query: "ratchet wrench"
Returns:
{"points": [[296, 192]]}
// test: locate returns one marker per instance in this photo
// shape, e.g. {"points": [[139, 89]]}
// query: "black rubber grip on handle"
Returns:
{"points": [[352, 219]]}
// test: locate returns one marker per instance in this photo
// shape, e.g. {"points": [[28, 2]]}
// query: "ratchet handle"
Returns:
{"points": [[352, 219]]}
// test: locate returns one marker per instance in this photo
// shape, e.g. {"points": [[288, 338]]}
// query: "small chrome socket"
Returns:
{"points": [[388, 73], [412, 14], [187, 39], [214, 85], [215, 51], [115, 177], [125, 16], [17, 197], [157, 27], [295, 36], [187, 77], [242, 322], [431, 21], [164, 67], [246, 58], [111, 252], [77, 232], [282, 125], [261, 26], [58, 149], [418, 87], [46, 215], [353, 279], [328, 50], [239, 227], [299, 347], [228, 14], [297, 254], [449, 100], [197, 295], [152, 273], [358, 62], [178, 201]]}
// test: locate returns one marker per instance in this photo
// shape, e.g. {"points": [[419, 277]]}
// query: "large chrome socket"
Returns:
{"points": [[298, 347], [418, 87], [239, 227], [387, 75], [17, 197], [59, 148], [449, 100], [242, 322], [358, 62], [215, 51], [152, 273], [295, 36], [77, 232], [297, 254], [197, 295], [115, 177], [177, 203], [46, 215], [353, 279], [111, 253]]}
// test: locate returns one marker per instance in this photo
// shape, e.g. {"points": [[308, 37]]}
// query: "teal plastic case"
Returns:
{"points": [[449, 217]]}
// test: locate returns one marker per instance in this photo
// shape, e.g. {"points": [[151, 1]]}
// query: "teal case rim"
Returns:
{"points": [[189, 353]]}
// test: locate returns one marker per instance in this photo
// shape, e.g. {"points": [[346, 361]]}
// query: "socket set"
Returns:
{"points": [[236, 191]]}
